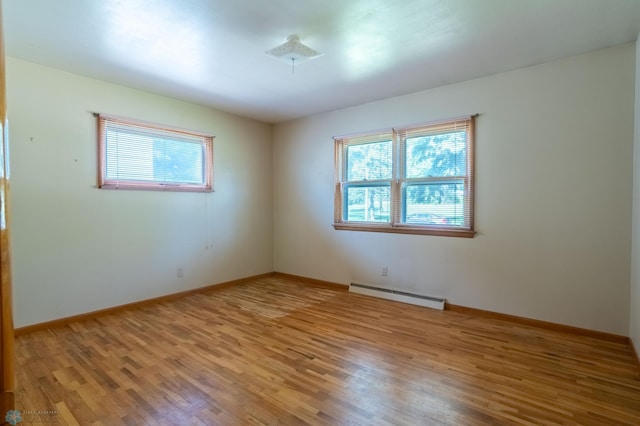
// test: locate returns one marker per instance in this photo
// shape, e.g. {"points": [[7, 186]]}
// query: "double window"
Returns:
{"points": [[135, 155], [416, 180]]}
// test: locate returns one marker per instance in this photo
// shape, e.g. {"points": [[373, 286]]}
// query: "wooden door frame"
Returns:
{"points": [[7, 360]]}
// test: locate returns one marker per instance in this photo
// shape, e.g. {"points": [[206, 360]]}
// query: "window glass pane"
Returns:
{"points": [[434, 204], [368, 203], [369, 161], [179, 162], [139, 156], [436, 155]]}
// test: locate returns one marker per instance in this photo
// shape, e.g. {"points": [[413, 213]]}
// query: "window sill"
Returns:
{"points": [[444, 232], [155, 187]]}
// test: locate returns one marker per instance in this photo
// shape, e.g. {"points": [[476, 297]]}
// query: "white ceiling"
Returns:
{"points": [[211, 52]]}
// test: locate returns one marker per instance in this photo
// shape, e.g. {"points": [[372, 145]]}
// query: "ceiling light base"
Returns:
{"points": [[293, 51]]}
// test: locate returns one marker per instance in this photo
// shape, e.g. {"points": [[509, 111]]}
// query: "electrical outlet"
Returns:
{"points": [[179, 273], [385, 271]]}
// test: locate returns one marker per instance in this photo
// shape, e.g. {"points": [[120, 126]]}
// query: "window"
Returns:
{"points": [[416, 180], [135, 155]]}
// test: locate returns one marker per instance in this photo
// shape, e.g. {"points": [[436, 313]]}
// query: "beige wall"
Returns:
{"points": [[77, 248], [553, 214], [553, 211], [634, 326]]}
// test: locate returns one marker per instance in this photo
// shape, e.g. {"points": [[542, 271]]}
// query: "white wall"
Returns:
{"points": [[553, 212], [76, 248], [634, 323]]}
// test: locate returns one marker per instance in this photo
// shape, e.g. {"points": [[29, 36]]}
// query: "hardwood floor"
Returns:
{"points": [[275, 351]]}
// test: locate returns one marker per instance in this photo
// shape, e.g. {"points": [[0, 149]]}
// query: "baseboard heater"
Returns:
{"points": [[398, 296]]}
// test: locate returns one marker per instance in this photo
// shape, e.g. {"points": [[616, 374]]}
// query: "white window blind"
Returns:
{"points": [[135, 155]]}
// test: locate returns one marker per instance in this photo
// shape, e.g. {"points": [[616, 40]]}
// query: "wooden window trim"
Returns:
{"points": [[404, 229], [396, 225], [105, 183]]}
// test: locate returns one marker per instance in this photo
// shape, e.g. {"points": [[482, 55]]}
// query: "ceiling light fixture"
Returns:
{"points": [[293, 51]]}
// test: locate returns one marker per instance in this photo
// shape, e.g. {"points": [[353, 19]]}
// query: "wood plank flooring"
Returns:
{"points": [[277, 352]]}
